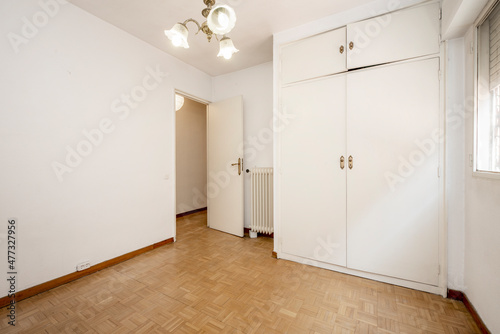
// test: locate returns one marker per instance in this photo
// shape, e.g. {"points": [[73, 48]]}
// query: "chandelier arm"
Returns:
{"points": [[179, 32], [191, 20]]}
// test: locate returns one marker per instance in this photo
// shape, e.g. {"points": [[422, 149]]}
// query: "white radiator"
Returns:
{"points": [[262, 200]]}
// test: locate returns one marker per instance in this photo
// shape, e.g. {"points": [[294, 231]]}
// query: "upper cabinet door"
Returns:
{"points": [[395, 36], [314, 57]]}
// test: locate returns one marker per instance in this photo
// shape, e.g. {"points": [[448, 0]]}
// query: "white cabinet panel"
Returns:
{"points": [[393, 188], [314, 57], [395, 36], [313, 186]]}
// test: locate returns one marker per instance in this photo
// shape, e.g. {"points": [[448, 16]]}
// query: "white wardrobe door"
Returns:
{"points": [[313, 186], [403, 34], [393, 187], [314, 57]]}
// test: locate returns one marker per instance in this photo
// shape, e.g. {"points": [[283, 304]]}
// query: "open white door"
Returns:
{"points": [[225, 166]]}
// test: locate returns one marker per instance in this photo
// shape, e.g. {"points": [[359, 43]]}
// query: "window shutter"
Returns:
{"points": [[494, 26]]}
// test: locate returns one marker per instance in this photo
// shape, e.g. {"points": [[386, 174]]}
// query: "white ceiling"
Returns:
{"points": [[257, 21]]}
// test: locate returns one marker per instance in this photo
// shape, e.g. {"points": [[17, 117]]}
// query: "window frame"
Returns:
{"points": [[483, 16]]}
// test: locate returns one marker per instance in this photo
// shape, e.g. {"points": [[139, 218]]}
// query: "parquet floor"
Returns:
{"points": [[211, 282]]}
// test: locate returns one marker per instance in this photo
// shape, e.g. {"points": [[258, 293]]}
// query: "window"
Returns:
{"points": [[487, 124]]}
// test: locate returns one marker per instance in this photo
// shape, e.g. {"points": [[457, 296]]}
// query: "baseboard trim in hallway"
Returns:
{"points": [[460, 296], [35, 290], [179, 215]]}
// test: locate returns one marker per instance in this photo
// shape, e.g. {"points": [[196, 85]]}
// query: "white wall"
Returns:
{"points": [[75, 73], [455, 161], [482, 222], [255, 84], [191, 156], [478, 243]]}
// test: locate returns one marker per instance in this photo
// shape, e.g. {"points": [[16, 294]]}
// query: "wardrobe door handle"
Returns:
{"points": [[342, 162], [341, 49], [351, 159], [351, 45]]}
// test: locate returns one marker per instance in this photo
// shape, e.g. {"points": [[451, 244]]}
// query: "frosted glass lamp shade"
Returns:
{"points": [[178, 35], [227, 48], [221, 19], [179, 102]]}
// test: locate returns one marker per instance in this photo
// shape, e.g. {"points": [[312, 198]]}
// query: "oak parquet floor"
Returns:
{"points": [[211, 282]]}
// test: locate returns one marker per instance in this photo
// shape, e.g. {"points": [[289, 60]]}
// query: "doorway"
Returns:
{"points": [[191, 155], [209, 161]]}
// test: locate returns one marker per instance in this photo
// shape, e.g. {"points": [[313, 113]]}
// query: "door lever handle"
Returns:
{"points": [[239, 163]]}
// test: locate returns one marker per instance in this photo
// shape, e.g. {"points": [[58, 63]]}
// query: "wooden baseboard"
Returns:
{"points": [[456, 295], [4, 301], [247, 232], [460, 296], [179, 215]]}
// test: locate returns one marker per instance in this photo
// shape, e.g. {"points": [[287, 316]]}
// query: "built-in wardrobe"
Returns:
{"points": [[359, 187]]}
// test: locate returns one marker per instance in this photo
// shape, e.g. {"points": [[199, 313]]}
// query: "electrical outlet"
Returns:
{"points": [[83, 266]]}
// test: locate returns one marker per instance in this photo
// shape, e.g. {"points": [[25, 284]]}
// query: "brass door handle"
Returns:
{"points": [[341, 49], [342, 162], [239, 163], [351, 45], [351, 159]]}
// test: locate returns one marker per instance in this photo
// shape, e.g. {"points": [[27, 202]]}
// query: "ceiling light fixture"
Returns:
{"points": [[179, 102], [221, 19]]}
